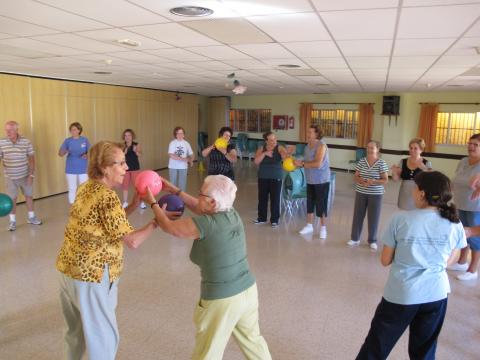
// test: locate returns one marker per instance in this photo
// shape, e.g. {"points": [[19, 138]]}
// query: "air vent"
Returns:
{"points": [[103, 72], [191, 11]]}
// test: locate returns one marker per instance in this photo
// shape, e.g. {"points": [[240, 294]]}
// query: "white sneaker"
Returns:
{"points": [[467, 276], [458, 267], [307, 229], [142, 205], [353, 242], [125, 205], [323, 232], [373, 246]]}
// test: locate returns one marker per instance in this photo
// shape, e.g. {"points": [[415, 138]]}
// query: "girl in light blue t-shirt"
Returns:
{"points": [[418, 244]]}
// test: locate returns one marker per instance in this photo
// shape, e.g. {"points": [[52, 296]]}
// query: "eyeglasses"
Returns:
{"points": [[121, 163], [473, 144]]}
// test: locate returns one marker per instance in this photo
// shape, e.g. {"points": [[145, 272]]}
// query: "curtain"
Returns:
{"points": [[365, 124], [305, 120], [427, 127]]}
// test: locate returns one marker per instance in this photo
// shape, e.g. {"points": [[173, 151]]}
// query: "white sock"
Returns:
{"points": [[31, 214], [12, 217]]}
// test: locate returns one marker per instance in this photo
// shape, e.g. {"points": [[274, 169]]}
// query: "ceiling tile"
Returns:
{"points": [[78, 42], [174, 34], [322, 5], [292, 27], [420, 47], [219, 52], [214, 65], [437, 2], [178, 54], [365, 47], [137, 57], [113, 12], [430, 22], [111, 36], [44, 15], [264, 51], [163, 8], [375, 24], [465, 46], [41, 47], [289, 61], [367, 62], [229, 31], [328, 63], [313, 49], [458, 61], [412, 61], [21, 28], [248, 64], [268, 7]]}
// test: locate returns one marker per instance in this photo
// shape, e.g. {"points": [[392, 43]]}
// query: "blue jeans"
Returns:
{"points": [[471, 218]]}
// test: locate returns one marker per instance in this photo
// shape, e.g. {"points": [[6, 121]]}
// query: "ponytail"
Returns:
{"points": [[438, 193]]}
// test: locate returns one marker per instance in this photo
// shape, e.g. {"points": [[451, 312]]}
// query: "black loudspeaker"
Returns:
{"points": [[391, 105]]}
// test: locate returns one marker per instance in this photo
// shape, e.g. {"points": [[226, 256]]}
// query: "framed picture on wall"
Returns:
{"points": [[291, 122], [280, 122]]}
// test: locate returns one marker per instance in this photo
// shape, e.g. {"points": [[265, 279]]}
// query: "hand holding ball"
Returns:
{"points": [[174, 203], [288, 164], [221, 143], [148, 179]]}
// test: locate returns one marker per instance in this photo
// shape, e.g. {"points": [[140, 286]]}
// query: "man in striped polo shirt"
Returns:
{"points": [[19, 169]]}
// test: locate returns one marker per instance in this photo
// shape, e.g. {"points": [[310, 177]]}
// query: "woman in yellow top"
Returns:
{"points": [[91, 259]]}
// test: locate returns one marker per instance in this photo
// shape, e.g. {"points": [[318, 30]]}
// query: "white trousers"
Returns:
{"points": [[74, 180]]}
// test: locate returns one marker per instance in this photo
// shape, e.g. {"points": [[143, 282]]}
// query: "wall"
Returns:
{"points": [[44, 108], [217, 116], [393, 135]]}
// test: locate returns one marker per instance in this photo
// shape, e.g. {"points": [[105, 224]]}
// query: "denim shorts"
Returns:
{"points": [[471, 218]]}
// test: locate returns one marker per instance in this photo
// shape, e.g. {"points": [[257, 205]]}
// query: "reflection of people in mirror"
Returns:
{"points": [[291, 122]]}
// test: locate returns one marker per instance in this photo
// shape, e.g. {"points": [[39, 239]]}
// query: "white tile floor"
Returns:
{"points": [[316, 297]]}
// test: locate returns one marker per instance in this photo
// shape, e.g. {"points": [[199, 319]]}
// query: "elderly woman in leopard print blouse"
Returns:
{"points": [[91, 258]]}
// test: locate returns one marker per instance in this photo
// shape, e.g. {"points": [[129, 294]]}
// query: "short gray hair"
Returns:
{"points": [[222, 189]]}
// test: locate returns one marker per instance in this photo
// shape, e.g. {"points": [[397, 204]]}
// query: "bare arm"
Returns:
{"points": [[358, 179], [181, 228], [284, 153], [138, 150], [137, 237], [62, 152], [231, 155], [207, 150], [190, 201], [382, 181], [396, 171], [453, 258], [31, 165], [387, 255], [259, 156]]}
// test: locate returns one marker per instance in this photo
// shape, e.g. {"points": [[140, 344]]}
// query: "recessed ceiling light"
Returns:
{"points": [[129, 42], [191, 11], [289, 66], [322, 84], [455, 85], [102, 72]]}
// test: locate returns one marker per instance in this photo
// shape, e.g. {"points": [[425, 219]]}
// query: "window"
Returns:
{"points": [[336, 123], [251, 120], [456, 128]]}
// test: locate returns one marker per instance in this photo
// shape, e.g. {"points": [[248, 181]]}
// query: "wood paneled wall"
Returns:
{"points": [[44, 109]]}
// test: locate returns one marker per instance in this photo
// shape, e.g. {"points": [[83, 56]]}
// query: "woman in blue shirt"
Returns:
{"points": [[418, 244], [76, 148]]}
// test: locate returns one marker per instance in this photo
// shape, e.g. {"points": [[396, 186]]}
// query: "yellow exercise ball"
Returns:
{"points": [[288, 164], [221, 143]]}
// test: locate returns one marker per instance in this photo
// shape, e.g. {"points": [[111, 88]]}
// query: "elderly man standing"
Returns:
{"points": [[19, 168]]}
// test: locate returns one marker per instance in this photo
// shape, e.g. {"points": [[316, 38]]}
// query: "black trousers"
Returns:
{"points": [[391, 320], [269, 188]]}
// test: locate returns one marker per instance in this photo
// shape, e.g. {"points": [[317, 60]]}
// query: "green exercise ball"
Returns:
{"points": [[6, 204]]}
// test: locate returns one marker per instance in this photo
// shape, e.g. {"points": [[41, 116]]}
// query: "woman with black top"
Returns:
{"points": [[132, 152], [269, 158], [221, 160], [406, 171]]}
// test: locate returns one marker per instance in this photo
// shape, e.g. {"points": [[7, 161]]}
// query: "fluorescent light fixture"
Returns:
{"points": [[129, 42]]}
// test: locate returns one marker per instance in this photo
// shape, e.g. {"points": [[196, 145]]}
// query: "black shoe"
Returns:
{"points": [[258, 222]]}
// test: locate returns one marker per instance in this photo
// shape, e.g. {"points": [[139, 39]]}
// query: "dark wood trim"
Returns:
{"points": [[449, 103]]}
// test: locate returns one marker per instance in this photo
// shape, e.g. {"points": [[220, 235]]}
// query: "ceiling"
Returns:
{"points": [[340, 45]]}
